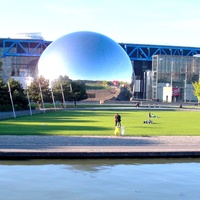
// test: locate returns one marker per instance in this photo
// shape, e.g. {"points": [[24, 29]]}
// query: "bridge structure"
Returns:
{"points": [[23, 47], [144, 52], [136, 52]]}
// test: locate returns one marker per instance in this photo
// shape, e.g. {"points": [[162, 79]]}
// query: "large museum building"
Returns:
{"points": [[156, 67]]}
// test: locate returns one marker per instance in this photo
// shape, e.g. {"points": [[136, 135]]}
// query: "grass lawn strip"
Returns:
{"points": [[101, 123]]}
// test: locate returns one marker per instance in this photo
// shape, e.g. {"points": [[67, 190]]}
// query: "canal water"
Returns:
{"points": [[99, 179]]}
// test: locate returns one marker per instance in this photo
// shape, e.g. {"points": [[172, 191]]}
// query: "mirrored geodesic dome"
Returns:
{"points": [[85, 56]]}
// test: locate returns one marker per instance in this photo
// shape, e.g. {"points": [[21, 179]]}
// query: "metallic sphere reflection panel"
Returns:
{"points": [[87, 56]]}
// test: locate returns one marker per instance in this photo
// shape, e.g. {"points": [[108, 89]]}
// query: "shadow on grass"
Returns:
{"points": [[17, 123], [51, 130]]}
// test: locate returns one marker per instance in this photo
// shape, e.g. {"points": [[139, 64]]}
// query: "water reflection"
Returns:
{"points": [[99, 162], [87, 56], [100, 179]]}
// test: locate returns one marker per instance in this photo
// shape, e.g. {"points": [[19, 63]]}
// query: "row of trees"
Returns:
{"points": [[13, 93], [72, 91]]}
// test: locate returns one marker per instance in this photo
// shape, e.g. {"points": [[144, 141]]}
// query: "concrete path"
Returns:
{"points": [[26, 147]]}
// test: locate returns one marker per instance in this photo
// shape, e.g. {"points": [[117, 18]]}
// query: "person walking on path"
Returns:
{"points": [[117, 119]]}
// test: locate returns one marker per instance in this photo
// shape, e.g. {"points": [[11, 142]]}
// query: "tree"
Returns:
{"points": [[56, 87], [18, 95], [73, 90], [124, 94], [77, 92], [196, 90], [34, 90], [4, 97]]}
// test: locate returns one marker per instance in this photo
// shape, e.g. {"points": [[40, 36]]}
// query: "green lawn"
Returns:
{"points": [[95, 122]]}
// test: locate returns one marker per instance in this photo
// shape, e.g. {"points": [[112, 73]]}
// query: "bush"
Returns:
{"points": [[5, 107]]}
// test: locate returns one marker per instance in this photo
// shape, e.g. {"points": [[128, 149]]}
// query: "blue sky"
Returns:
{"points": [[166, 22]]}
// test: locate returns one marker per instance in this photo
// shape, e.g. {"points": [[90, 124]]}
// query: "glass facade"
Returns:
{"points": [[140, 67], [24, 66], [176, 71], [23, 69]]}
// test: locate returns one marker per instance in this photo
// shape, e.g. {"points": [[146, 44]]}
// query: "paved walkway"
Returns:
{"points": [[25, 147]]}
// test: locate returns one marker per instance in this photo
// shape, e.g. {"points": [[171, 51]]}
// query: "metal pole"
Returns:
{"points": [[41, 98], [172, 68], [29, 103], [63, 95], [70, 86], [185, 86], [11, 99], [53, 99]]}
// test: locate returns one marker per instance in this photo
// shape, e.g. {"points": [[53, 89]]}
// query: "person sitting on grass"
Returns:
{"points": [[148, 121], [152, 115]]}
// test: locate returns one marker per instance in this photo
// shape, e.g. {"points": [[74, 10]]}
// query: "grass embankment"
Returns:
{"points": [[85, 122]]}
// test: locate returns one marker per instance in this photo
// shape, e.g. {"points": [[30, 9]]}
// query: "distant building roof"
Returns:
{"points": [[35, 35]]}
